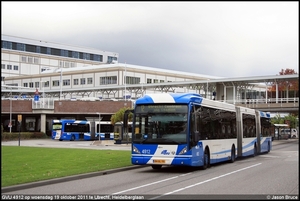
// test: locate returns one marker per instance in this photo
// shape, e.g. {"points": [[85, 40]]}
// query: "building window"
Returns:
{"points": [[73, 64], [155, 81], [30, 60], [46, 84], [82, 81], [55, 51], [75, 82], [48, 50], [66, 82], [20, 46], [110, 59], [25, 84], [9, 67], [24, 59], [36, 60], [37, 84], [44, 50], [64, 53], [55, 83], [16, 67], [89, 80], [98, 57], [2, 66], [30, 48], [108, 80], [149, 81], [31, 84], [75, 54], [86, 56], [67, 64], [132, 80], [7, 45]]}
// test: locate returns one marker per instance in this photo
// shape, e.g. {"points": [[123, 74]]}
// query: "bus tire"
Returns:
{"points": [[254, 151], [156, 167], [206, 160], [73, 138], [269, 147], [232, 157]]}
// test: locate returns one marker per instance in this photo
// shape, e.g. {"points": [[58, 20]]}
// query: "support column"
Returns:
{"points": [[43, 123]]}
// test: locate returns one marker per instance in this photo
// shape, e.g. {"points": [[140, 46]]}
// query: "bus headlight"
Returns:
{"points": [[183, 151], [134, 149]]}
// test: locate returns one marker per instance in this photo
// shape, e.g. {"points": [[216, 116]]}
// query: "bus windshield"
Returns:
{"points": [[56, 126], [161, 127]]}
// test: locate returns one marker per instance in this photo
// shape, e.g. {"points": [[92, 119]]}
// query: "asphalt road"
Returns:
{"points": [[79, 144]]}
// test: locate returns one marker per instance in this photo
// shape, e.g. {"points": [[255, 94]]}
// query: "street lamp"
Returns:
{"points": [[60, 83], [10, 103], [10, 110], [99, 124], [207, 88], [125, 81], [142, 88]]}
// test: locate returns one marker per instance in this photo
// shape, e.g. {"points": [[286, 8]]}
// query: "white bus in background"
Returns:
{"points": [[290, 132], [282, 131]]}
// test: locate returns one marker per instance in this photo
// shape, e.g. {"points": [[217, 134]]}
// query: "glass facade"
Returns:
{"points": [[51, 51]]}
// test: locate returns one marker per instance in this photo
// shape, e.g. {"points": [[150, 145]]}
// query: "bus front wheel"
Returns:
{"points": [[206, 160]]}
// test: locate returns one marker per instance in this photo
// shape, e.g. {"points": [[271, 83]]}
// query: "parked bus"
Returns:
{"points": [[69, 129], [184, 129], [106, 129]]}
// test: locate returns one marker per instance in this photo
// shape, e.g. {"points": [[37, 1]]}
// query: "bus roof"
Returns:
{"points": [[281, 125], [169, 98]]}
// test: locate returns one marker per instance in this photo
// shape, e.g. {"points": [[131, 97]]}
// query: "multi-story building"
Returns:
{"points": [[23, 56]]}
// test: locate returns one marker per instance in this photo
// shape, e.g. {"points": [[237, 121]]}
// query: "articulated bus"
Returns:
{"points": [[69, 129], [185, 129]]}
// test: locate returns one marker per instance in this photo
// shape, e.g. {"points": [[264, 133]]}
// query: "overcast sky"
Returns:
{"points": [[224, 39]]}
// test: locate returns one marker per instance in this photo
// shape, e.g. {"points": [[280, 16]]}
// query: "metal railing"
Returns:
{"points": [[43, 103]]}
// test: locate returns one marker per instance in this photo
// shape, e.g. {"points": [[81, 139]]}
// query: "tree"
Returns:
{"points": [[118, 116], [290, 119], [291, 86]]}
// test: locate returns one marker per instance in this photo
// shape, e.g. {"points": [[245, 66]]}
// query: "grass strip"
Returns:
{"points": [[29, 164]]}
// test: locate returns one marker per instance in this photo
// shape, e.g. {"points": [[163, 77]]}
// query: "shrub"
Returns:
{"points": [[23, 135]]}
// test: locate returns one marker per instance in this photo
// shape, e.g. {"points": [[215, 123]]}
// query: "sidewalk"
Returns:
{"points": [[275, 142], [102, 144]]}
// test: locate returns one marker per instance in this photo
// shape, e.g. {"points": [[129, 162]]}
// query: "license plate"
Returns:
{"points": [[159, 161]]}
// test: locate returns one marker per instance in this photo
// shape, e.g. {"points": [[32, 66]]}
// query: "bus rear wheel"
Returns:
{"points": [[72, 137], [232, 158], [254, 151]]}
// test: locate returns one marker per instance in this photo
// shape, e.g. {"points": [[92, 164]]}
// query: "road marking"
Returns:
{"points": [[160, 181]]}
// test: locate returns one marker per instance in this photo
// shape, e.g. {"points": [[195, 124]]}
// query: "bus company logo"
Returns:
{"points": [[165, 152]]}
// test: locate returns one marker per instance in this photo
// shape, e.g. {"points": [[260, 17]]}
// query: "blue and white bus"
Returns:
{"points": [[185, 129], [69, 129], [106, 130]]}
